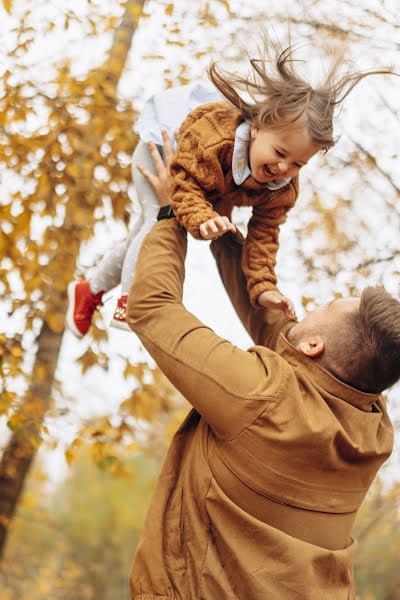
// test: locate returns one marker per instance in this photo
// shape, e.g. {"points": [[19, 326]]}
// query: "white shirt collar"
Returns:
{"points": [[240, 161]]}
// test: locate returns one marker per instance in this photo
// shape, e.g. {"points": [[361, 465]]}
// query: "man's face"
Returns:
{"points": [[279, 154], [321, 320]]}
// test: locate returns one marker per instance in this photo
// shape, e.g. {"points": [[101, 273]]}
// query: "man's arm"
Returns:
{"points": [[229, 387], [263, 324]]}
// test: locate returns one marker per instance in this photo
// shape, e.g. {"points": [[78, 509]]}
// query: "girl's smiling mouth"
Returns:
{"points": [[268, 171]]}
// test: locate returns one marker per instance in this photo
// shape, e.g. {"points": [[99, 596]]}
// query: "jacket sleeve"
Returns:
{"points": [[263, 325], [196, 171], [229, 387], [261, 245]]}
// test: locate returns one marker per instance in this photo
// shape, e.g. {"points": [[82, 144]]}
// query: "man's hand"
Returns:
{"points": [[274, 299], [160, 182], [214, 228]]}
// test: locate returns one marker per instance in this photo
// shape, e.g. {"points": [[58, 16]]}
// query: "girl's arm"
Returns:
{"points": [[261, 245], [262, 325], [195, 172]]}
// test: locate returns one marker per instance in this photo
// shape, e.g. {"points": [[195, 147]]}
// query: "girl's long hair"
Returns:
{"points": [[279, 96]]}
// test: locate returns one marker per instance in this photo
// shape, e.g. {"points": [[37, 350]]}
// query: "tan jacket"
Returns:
{"points": [[202, 174], [260, 487]]}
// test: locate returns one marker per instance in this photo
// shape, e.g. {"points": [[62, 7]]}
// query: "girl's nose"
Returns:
{"points": [[283, 167]]}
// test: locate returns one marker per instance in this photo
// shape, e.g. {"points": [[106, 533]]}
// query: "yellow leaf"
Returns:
{"points": [[136, 10], [305, 301], [154, 57], [169, 9], [8, 5], [23, 223], [143, 404], [3, 244], [77, 443], [16, 351], [43, 187], [98, 334], [80, 216], [73, 171], [70, 456], [88, 360], [133, 447], [183, 80], [15, 421], [226, 4], [136, 371], [55, 321], [175, 43], [6, 399]]}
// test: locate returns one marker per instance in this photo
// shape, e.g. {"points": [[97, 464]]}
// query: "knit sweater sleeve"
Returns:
{"points": [[196, 173], [261, 245]]}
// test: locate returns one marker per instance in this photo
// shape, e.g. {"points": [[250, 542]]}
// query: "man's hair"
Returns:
{"points": [[279, 97], [371, 343]]}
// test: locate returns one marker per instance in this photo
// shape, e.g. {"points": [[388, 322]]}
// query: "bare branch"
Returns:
{"points": [[373, 160]]}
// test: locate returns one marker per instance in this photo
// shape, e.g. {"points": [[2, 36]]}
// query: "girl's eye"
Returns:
{"points": [[298, 166], [279, 153]]}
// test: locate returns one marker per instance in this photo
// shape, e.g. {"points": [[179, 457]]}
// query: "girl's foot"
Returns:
{"points": [[81, 305], [119, 318]]}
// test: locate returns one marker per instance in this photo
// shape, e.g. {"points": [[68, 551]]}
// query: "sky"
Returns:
{"points": [[364, 120]]}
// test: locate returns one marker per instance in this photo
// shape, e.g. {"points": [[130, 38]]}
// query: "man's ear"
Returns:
{"points": [[312, 346]]}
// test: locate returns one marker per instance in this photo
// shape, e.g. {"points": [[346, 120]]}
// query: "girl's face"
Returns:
{"points": [[280, 153]]}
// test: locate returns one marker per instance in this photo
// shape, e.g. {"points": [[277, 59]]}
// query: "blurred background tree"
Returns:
{"points": [[81, 128], [80, 542], [74, 76]]}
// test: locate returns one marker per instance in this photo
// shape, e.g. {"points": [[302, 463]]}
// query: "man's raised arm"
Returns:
{"points": [[229, 387], [263, 325]]}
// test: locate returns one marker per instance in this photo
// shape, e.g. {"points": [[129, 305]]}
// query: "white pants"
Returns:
{"points": [[118, 265]]}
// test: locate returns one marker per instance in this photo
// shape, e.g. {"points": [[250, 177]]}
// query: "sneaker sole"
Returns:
{"points": [[69, 317], [120, 325]]}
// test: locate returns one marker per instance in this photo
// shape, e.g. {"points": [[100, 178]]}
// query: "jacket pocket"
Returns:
{"points": [[173, 526]]}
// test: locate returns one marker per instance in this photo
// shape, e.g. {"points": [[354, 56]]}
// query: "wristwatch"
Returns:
{"points": [[165, 212]]}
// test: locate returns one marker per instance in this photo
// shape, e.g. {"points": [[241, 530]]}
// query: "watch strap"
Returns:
{"points": [[165, 212]]}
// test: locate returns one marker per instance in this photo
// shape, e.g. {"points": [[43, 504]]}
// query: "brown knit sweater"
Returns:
{"points": [[202, 174]]}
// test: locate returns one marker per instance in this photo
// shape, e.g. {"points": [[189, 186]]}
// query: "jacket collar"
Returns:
{"points": [[321, 377]]}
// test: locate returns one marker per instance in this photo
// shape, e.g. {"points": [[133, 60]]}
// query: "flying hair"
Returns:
{"points": [[280, 97]]}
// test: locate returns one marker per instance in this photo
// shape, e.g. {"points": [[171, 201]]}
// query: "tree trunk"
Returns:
{"points": [[22, 447]]}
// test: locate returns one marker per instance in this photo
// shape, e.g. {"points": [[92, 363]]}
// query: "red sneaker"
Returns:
{"points": [[81, 305], [119, 318]]}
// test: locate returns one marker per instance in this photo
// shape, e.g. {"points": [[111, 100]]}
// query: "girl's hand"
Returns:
{"points": [[214, 228], [160, 182], [274, 299]]}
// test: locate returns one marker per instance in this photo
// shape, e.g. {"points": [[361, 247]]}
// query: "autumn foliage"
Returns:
{"points": [[66, 141]]}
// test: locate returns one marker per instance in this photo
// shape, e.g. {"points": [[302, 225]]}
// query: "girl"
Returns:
{"points": [[247, 152]]}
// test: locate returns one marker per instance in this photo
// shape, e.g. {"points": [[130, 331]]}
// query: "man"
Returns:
{"points": [[261, 485]]}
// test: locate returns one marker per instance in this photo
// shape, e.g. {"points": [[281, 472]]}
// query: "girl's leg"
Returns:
{"points": [[149, 207], [85, 296], [107, 274]]}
